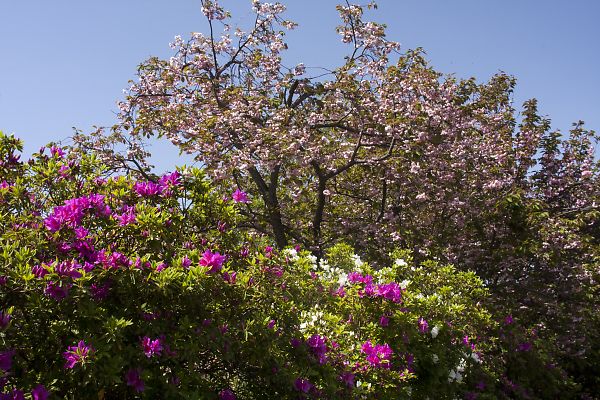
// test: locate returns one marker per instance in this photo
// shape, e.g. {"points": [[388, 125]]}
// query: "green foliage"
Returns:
{"points": [[113, 260]]}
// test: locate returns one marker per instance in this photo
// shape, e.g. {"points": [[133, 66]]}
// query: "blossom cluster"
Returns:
{"points": [[378, 355], [73, 211], [390, 291]]}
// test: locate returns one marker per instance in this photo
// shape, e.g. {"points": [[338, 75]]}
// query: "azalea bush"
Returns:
{"points": [[116, 286]]}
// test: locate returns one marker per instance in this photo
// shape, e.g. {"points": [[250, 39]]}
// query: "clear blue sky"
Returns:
{"points": [[64, 63]]}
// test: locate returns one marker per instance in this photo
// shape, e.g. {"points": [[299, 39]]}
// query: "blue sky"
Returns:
{"points": [[65, 63]]}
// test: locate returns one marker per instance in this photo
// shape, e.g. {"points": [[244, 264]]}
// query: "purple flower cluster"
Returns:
{"points": [[68, 269], [57, 290], [133, 379], [114, 261], [163, 187], [389, 291], [303, 385], [378, 355], [213, 260], [240, 197], [77, 354], [72, 212], [127, 216], [40, 393], [318, 347], [100, 291], [147, 189], [152, 347], [227, 394]]}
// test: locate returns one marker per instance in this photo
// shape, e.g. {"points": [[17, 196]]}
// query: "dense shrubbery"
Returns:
{"points": [[380, 232], [112, 287]]}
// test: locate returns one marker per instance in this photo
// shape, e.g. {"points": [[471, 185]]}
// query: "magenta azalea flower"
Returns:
{"points": [[133, 379], [526, 346], [167, 182], [146, 189], [57, 152], [77, 354], [240, 197], [227, 394], [390, 291], [423, 325], [213, 260], [68, 268], [230, 277], [348, 379], [303, 385], [56, 290], [384, 321], [318, 346], [100, 291], [151, 347], [39, 271], [127, 217], [39, 393], [378, 355]]}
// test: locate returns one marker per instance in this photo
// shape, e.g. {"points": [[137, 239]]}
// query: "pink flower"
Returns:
{"points": [[526, 346], [127, 217], [39, 393], [77, 354], [318, 347], [168, 181], [348, 379], [56, 290], [227, 394], [390, 291], [146, 189], [230, 277], [100, 291], [213, 260], [303, 385], [240, 197], [384, 321], [39, 271], [132, 378], [378, 355], [423, 325], [57, 152], [151, 347]]}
